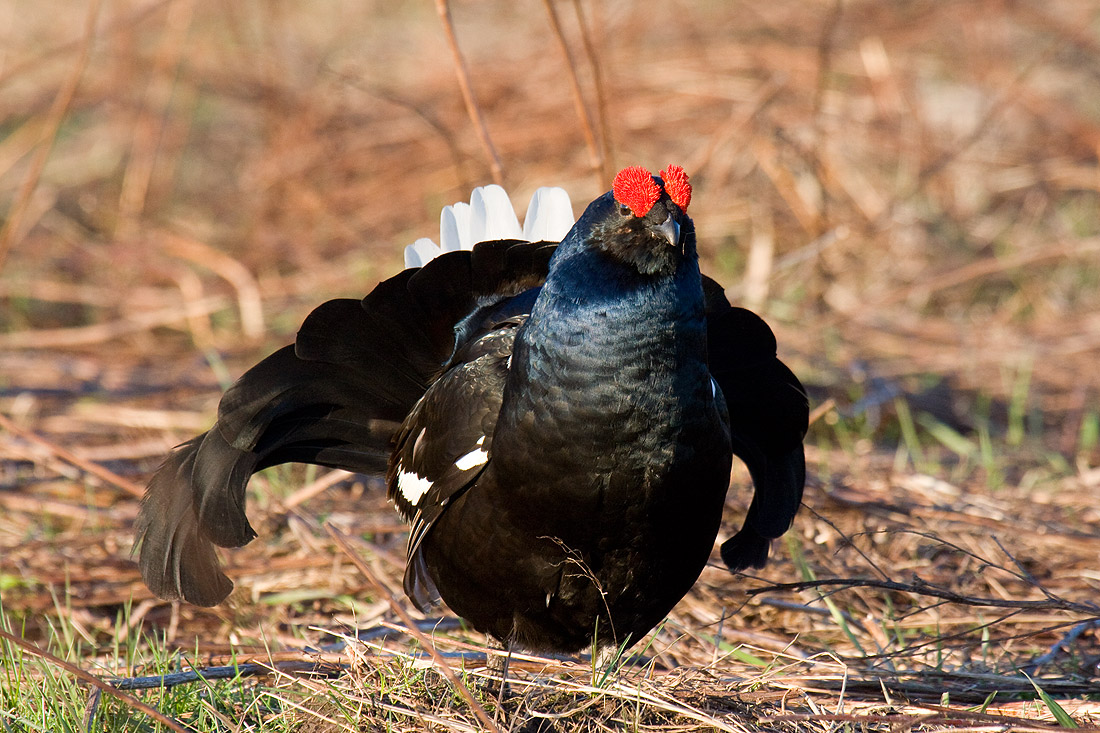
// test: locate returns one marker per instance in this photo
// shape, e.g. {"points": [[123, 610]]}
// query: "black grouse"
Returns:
{"points": [[557, 422]]}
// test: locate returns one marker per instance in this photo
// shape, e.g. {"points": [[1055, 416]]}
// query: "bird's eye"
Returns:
{"points": [[625, 210]]}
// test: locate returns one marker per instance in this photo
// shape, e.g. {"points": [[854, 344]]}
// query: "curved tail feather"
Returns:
{"points": [[177, 559]]}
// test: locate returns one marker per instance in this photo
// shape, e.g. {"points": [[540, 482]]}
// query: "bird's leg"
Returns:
{"points": [[606, 653], [611, 659], [498, 665], [604, 660]]}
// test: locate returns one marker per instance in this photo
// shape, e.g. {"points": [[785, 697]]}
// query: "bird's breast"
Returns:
{"points": [[618, 400]]}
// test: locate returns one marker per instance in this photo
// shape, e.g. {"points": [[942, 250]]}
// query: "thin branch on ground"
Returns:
{"points": [[919, 587]]}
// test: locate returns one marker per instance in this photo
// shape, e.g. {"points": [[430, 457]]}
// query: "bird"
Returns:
{"points": [[555, 411]]}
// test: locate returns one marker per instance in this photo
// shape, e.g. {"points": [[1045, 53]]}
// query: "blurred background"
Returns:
{"points": [[900, 188], [906, 191]]}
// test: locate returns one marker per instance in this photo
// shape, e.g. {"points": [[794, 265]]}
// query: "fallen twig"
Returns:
{"points": [[69, 457], [920, 587]]}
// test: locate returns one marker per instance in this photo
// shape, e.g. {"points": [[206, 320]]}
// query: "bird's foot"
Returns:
{"points": [[497, 661]]}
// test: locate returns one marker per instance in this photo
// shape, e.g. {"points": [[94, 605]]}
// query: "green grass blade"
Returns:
{"points": [[909, 433], [1064, 719], [947, 436]]}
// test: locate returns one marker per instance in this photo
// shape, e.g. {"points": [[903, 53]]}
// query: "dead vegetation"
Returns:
{"points": [[907, 191]]}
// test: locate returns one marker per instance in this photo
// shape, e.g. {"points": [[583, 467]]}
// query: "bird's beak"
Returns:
{"points": [[671, 229]]}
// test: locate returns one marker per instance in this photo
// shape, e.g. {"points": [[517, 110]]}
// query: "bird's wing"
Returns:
{"points": [[334, 398], [768, 413], [446, 442]]}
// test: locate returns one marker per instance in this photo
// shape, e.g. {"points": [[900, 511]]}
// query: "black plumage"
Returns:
{"points": [[558, 424]]}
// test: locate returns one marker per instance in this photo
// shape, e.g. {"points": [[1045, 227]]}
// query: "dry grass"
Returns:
{"points": [[907, 191]]}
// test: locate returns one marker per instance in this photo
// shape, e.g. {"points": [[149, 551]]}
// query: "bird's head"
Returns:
{"points": [[643, 220]]}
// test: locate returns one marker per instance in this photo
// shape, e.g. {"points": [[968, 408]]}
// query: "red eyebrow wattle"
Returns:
{"points": [[677, 186], [634, 187]]}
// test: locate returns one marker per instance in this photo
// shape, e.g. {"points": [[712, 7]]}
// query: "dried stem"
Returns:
{"points": [[249, 301], [13, 226], [594, 154], [151, 119], [602, 116], [463, 74]]}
